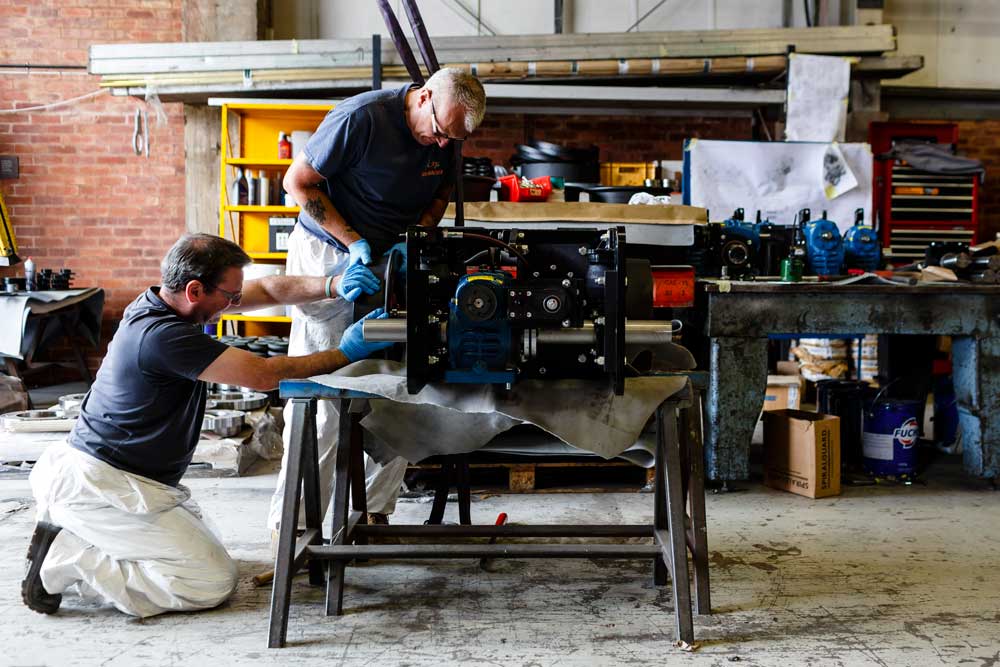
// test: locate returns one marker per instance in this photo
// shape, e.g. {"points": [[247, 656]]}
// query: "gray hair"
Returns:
{"points": [[201, 257], [460, 87]]}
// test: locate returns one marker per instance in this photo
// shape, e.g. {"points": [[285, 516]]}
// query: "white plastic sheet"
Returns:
{"points": [[779, 179]]}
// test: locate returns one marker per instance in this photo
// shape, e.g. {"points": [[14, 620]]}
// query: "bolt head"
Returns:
{"points": [[433, 280], [582, 358], [565, 323], [566, 283], [582, 250], [599, 361]]}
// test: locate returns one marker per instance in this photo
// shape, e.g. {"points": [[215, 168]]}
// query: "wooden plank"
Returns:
{"points": [[220, 56]]}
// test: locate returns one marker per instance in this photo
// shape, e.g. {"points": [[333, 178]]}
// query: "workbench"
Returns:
{"points": [[737, 317], [673, 531], [34, 319]]}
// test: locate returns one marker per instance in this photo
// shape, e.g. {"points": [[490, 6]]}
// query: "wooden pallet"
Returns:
{"points": [[556, 475]]}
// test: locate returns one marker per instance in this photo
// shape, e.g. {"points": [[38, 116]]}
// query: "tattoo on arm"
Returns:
{"points": [[315, 208]]}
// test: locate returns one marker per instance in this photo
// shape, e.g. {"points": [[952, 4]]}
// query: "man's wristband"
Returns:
{"points": [[329, 284]]}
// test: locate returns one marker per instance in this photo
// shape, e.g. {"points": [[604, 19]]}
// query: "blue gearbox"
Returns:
{"points": [[479, 332], [861, 246], [824, 245]]}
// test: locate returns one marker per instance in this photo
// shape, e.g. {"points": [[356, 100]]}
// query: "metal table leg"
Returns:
{"points": [[674, 541], [341, 494], [301, 445], [736, 386], [695, 472]]}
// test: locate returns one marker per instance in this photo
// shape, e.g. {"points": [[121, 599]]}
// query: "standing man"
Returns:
{"points": [[114, 522], [379, 163]]}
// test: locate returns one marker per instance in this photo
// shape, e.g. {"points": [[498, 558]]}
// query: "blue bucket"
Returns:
{"points": [[889, 440]]}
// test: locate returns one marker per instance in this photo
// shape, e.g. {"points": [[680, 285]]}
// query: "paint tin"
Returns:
{"points": [[889, 440], [791, 269]]}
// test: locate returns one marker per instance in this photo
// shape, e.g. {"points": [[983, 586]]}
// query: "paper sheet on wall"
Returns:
{"points": [[779, 179], [818, 87]]}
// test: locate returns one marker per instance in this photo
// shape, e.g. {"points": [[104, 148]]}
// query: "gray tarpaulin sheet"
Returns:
{"points": [[460, 418], [19, 332]]}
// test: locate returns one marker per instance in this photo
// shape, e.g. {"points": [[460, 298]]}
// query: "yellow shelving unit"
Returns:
{"points": [[250, 141]]}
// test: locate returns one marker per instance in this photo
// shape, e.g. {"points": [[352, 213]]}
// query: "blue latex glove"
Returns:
{"points": [[361, 252], [356, 279], [353, 344], [401, 247]]}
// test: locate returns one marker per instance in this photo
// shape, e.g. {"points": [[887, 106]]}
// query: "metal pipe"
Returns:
{"points": [[399, 39], [420, 32], [639, 332]]}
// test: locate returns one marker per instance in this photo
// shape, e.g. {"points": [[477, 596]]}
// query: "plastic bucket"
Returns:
{"points": [[889, 440]]}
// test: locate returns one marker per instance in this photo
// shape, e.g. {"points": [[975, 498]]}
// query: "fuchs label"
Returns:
{"points": [[907, 434]]}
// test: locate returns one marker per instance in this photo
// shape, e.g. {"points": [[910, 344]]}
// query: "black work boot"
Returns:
{"points": [[32, 591]]}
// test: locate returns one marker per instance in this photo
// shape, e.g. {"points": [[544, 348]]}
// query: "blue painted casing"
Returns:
{"points": [[824, 247], [478, 349], [861, 248]]}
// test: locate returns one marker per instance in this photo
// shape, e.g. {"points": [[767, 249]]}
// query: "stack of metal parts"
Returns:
{"points": [[226, 410], [59, 418], [977, 264], [262, 346]]}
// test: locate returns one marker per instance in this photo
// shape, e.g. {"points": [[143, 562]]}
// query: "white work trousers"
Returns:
{"points": [[317, 327], [127, 540]]}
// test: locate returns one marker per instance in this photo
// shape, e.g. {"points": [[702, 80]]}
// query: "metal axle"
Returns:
{"points": [[639, 332]]}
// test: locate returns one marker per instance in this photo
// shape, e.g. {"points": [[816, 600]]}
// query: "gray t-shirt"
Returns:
{"points": [[377, 175], [143, 413]]}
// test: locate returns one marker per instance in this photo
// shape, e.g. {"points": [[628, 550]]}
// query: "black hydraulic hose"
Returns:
{"points": [[399, 39], [420, 32], [506, 246]]}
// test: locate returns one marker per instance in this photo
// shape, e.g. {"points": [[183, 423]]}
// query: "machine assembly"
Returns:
{"points": [[496, 306]]}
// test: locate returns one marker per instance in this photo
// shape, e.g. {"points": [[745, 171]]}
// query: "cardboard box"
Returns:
{"points": [[802, 452], [783, 392]]}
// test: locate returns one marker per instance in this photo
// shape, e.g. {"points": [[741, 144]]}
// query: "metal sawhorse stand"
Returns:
{"points": [[674, 531]]}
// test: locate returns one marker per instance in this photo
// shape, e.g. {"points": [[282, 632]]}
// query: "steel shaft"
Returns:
{"points": [[640, 332]]}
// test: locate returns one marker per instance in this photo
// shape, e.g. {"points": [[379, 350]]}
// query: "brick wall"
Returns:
{"points": [[980, 139], [620, 138], [84, 200]]}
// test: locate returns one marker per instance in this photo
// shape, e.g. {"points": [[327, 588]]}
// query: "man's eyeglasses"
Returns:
{"points": [[437, 127], [234, 297]]}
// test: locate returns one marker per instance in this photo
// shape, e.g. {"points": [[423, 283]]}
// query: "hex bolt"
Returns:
{"points": [[565, 323], [432, 319], [431, 359], [528, 315], [553, 267], [535, 274], [513, 293], [528, 293], [599, 361], [542, 370], [566, 283], [599, 320], [433, 280], [569, 274], [582, 250], [599, 280], [582, 358]]}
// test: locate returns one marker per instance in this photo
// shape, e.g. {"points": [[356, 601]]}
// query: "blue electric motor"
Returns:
{"points": [[861, 246], [479, 335], [824, 245]]}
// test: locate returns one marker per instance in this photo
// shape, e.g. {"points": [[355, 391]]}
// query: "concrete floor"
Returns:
{"points": [[878, 576]]}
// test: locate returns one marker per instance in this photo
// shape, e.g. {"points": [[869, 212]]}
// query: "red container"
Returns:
{"points": [[513, 188]]}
